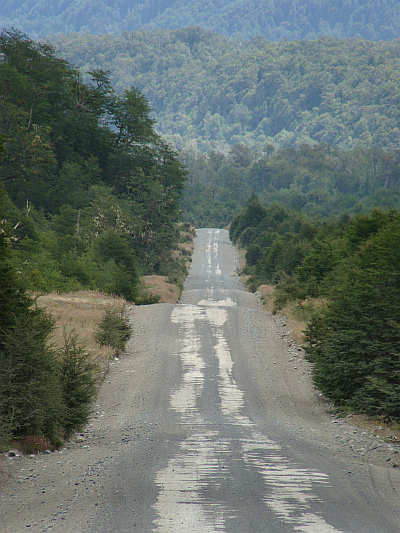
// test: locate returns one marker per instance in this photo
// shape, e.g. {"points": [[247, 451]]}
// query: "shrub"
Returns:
{"points": [[355, 342], [78, 382], [30, 393], [114, 330]]}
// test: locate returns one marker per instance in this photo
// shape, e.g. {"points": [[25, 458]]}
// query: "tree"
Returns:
{"points": [[30, 396], [117, 265], [355, 343]]}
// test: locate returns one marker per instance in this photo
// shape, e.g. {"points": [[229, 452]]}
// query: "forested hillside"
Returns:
{"points": [[211, 92], [93, 191], [272, 19], [89, 199]]}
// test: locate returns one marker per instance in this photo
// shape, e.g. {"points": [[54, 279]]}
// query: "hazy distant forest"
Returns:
{"points": [[275, 20], [208, 92], [283, 122]]}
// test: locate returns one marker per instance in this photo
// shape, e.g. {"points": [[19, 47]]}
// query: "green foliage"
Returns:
{"points": [[118, 270], [145, 298], [210, 93], [274, 20], [322, 180], [354, 264], [77, 372], [250, 217], [87, 187], [94, 191], [30, 397], [355, 343], [114, 330], [43, 393]]}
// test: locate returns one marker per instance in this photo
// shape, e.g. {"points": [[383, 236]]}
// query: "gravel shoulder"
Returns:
{"points": [[62, 491]]}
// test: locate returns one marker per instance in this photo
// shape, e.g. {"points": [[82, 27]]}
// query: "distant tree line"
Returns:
{"points": [[350, 266], [320, 180], [274, 20]]}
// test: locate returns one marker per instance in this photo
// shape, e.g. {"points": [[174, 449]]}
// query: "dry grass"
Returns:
{"points": [[159, 286], [80, 312], [267, 296], [387, 432], [295, 322], [242, 263], [185, 247], [297, 314]]}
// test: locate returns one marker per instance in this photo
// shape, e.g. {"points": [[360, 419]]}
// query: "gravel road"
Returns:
{"points": [[208, 423]]}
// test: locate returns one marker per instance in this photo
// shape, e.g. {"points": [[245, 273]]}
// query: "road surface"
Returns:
{"points": [[207, 425]]}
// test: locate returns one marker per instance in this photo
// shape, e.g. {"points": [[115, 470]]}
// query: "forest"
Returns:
{"points": [[320, 181], [89, 199], [275, 20], [93, 191], [343, 274], [208, 92], [109, 142]]}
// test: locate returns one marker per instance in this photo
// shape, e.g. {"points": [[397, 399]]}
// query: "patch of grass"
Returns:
{"points": [[31, 444], [297, 313], [159, 287], [81, 312]]}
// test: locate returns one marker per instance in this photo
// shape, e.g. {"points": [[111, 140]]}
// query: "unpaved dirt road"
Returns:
{"points": [[209, 423]]}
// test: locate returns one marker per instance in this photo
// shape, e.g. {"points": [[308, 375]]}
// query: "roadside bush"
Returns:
{"points": [[114, 330], [146, 298], [30, 393], [77, 372]]}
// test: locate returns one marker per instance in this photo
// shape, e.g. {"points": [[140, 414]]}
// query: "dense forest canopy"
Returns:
{"points": [[209, 92], [272, 19]]}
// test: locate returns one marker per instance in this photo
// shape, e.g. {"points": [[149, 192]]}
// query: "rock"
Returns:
{"points": [[14, 453]]}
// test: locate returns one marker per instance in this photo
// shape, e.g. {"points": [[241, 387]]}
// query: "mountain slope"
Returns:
{"points": [[211, 92], [271, 19]]}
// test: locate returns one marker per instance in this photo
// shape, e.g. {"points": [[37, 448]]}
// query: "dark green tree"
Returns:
{"points": [[77, 373], [355, 343]]}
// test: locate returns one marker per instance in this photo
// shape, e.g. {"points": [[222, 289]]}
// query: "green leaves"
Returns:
{"points": [[355, 344], [211, 92], [90, 161], [77, 372], [114, 330], [131, 118]]}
